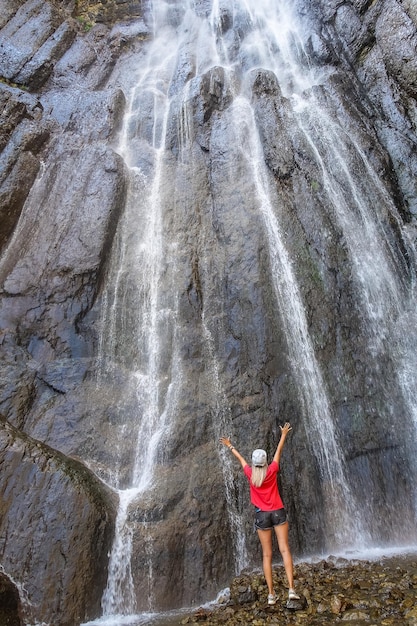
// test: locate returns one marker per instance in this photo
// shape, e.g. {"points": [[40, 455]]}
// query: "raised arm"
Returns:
{"points": [[284, 432], [226, 442]]}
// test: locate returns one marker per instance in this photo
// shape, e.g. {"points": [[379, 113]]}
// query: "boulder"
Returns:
{"points": [[57, 524]]}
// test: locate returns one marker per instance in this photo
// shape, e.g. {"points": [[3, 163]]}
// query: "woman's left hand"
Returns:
{"points": [[286, 428], [225, 441]]}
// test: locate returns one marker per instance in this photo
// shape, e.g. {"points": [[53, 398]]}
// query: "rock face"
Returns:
{"points": [[57, 547], [200, 239]]}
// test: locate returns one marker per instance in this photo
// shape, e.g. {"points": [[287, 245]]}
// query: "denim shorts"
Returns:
{"points": [[264, 520]]}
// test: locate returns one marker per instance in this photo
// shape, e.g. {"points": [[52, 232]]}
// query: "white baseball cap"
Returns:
{"points": [[259, 458]]}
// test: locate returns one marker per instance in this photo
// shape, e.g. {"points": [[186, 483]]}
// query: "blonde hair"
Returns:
{"points": [[258, 475]]}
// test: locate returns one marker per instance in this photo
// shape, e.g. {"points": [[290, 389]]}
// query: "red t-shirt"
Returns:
{"points": [[266, 497]]}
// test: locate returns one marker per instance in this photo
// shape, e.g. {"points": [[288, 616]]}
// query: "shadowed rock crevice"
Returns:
{"points": [[10, 605]]}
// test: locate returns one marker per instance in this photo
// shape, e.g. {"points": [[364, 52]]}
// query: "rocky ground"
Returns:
{"points": [[334, 591]]}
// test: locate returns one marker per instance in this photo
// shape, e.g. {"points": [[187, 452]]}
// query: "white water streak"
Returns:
{"points": [[221, 424], [144, 267], [367, 242], [119, 595], [304, 363], [153, 422]]}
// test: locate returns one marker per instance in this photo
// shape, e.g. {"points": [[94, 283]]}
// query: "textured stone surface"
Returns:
{"points": [[57, 547]]}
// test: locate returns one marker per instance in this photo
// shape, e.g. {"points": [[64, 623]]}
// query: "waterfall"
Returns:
{"points": [[137, 326], [352, 198], [359, 204], [221, 419], [316, 407], [142, 343], [218, 400]]}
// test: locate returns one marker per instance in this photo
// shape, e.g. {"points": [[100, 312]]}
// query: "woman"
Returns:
{"points": [[270, 513]]}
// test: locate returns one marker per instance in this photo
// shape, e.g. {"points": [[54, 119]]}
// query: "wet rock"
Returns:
{"points": [[186, 543], [212, 92], [297, 605], [130, 31], [31, 42], [14, 191], [22, 138], [89, 61], [17, 384], [273, 118], [16, 105], [242, 592], [45, 494], [385, 69], [396, 35], [37, 70], [94, 116], [100, 188]]}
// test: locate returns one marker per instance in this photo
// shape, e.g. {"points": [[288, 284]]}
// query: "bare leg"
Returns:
{"points": [[265, 537], [281, 532]]}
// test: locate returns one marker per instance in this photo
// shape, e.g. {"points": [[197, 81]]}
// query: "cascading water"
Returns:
{"points": [[143, 345], [353, 199], [360, 205], [135, 344], [317, 411], [221, 420]]}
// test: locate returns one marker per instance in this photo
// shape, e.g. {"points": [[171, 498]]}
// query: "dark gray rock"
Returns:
{"points": [[273, 118], [22, 138], [297, 605], [396, 35], [174, 523], [31, 41], [58, 520], [383, 55], [89, 61], [38, 69], [17, 386]]}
